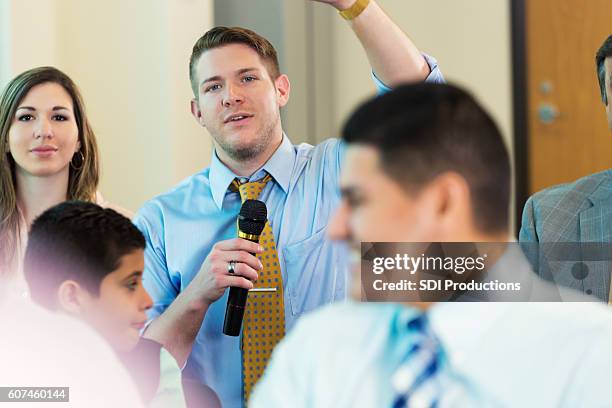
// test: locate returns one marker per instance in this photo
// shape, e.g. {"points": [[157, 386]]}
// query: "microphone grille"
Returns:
{"points": [[252, 217]]}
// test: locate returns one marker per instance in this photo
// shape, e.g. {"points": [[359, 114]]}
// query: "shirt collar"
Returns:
{"points": [[279, 166]]}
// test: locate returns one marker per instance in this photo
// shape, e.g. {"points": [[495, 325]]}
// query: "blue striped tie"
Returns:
{"points": [[418, 382]]}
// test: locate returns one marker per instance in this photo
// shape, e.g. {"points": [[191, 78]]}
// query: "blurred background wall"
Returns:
{"points": [[470, 39], [130, 59]]}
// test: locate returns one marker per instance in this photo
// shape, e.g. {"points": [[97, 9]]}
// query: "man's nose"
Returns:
{"points": [[232, 95]]}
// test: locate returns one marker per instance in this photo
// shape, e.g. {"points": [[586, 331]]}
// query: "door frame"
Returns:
{"points": [[520, 108]]}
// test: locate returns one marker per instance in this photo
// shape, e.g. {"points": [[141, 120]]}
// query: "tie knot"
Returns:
{"points": [[420, 328], [250, 190]]}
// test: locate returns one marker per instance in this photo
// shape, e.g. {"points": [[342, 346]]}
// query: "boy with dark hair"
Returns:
{"points": [[87, 261]]}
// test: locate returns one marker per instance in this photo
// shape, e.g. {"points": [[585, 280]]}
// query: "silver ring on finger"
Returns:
{"points": [[231, 267]]}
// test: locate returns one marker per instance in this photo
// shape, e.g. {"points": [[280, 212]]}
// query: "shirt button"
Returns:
{"points": [[589, 291]]}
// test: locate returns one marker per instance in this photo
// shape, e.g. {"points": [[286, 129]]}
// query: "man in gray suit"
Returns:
{"points": [[578, 212]]}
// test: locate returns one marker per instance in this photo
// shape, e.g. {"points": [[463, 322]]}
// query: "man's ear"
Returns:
{"points": [[452, 202], [283, 88], [71, 297], [196, 112]]}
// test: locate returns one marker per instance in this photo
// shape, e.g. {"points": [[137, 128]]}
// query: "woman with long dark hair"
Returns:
{"points": [[49, 155]]}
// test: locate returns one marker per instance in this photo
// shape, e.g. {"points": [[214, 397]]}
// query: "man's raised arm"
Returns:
{"points": [[393, 56]]}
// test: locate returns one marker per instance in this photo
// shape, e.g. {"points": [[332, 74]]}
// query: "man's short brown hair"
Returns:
{"points": [[220, 36]]}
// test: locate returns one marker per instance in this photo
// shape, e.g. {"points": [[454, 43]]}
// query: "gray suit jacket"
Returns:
{"points": [[578, 212], [513, 267]]}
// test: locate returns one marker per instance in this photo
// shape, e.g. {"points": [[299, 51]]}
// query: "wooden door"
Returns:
{"points": [[568, 136]]}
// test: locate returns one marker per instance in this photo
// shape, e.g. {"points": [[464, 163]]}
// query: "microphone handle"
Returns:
{"points": [[234, 312]]}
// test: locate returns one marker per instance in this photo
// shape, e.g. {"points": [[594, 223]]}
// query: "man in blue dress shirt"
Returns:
{"points": [[191, 230], [425, 163]]}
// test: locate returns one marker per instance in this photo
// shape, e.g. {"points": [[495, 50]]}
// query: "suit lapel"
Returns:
{"points": [[596, 227]]}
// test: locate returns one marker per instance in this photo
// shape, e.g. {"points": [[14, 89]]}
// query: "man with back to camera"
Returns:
{"points": [[192, 255], [425, 163], [577, 212]]}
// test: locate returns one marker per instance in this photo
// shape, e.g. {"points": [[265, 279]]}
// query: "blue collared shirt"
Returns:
{"points": [[182, 225], [497, 355]]}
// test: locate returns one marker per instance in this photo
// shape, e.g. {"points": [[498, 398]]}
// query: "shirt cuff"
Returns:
{"points": [[435, 75], [152, 314]]}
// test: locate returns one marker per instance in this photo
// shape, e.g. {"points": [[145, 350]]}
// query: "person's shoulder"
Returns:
{"points": [[198, 182], [326, 147], [576, 191], [56, 325], [583, 331], [344, 320], [344, 313], [321, 160], [589, 314], [578, 321], [102, 202], [42, 347]]}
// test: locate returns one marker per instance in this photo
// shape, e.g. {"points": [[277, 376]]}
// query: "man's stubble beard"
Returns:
{"points": [[250, 152]]}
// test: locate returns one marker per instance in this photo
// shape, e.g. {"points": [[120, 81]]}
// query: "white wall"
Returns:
{"points": [[130, 59], [32, 34], [470, 38], [5, 41]]}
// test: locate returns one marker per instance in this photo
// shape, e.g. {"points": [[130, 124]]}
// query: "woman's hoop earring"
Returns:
{"points": [[77, 161]]}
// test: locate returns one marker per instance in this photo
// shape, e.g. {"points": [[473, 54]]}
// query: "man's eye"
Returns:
{"points": [[354, 201], [132, 286], [213, 88], [249, 78], [25, 118]]}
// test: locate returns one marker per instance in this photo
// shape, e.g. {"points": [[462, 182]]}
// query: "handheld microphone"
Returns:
{"points": [[251, 222]]}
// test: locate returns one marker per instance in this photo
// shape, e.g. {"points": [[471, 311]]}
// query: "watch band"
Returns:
{"points": [[355, 10]]}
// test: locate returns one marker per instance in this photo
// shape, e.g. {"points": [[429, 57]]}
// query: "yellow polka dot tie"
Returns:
{"points": [[264, 319]]}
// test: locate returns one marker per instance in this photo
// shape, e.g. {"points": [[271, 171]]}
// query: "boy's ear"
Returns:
{"points": [[71, 297]]}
